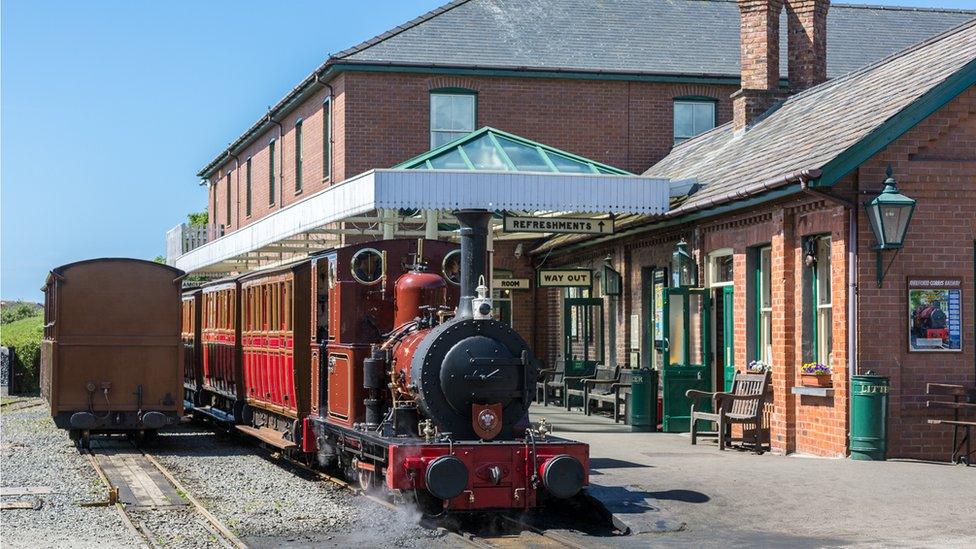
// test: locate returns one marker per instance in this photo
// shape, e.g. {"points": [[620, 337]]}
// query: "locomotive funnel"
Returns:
{"points": [[474, 252]]}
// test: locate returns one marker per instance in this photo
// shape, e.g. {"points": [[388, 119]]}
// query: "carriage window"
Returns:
{"points": [[324, 274], [288, 305], [452, 267], [274, 296], [368, 266]]}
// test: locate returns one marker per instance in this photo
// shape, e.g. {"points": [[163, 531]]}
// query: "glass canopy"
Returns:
{"points": [[489, 149]]}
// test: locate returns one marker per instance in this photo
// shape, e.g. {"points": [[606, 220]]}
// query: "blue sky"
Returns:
{"points": [[109, 108]]}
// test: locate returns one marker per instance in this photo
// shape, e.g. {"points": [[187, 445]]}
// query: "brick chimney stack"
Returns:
{"points": [[806, 23], [759, 60]]}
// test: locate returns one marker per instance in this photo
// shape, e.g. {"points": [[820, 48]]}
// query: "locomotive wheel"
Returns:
{"points": [[367, 480], [428, 504]]}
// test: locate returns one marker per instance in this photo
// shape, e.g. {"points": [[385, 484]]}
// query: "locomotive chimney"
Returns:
{"points": [[474, 251]]}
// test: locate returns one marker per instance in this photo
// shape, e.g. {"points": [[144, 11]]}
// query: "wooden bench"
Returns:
{"points": [[742, 405], [550, 384], [604, 392], [963, 400], [574, 386]]}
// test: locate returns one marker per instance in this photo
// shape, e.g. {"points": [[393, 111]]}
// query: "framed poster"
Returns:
{"points": [[934, 314]]}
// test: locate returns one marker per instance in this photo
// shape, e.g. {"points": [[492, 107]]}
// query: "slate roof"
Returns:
{"points": [[811, 129], [662, 37], [647, 38], [809, 132]]}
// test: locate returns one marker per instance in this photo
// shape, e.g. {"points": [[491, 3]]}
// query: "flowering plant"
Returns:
{"points": [[757, 366], [815, 368]]}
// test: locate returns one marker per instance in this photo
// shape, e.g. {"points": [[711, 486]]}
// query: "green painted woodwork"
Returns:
{"points": [[728, 335], [686, 366], [582, 335], [298, 156], [336, 68], [271, 172], [492, 149]]}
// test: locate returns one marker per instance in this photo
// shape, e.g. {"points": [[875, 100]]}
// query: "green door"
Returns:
{"points": [[728, 336], [686, 356], [583, 335]]}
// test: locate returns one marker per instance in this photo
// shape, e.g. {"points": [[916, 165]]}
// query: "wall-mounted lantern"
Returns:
{"points": [[684, 269], [889, 213], [611, 279]]}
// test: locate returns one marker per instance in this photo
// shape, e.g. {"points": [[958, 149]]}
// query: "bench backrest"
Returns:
{"points": [[626, 375], [746, 384], [606, 373]]}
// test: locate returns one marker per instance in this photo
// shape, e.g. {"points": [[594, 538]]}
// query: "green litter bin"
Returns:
{"points": [[869, 417], [642, 408]]}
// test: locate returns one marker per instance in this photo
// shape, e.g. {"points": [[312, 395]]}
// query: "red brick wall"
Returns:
{"points": [[382, 119], [934, 163], [810, 425], [312, 115]]}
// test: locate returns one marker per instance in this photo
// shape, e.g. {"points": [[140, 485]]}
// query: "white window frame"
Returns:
{"points": [[824, 309], [465, 130], [764, 352], [695, 132], [713, 258]]}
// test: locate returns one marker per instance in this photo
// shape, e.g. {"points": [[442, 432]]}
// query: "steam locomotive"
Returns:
{"points": [[367, 360]]}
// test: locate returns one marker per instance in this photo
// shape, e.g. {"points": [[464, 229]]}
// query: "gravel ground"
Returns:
{"points": [[35, 454], [265, 503]]}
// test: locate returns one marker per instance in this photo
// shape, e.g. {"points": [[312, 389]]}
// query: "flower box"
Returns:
{"points": [[814, 380]]}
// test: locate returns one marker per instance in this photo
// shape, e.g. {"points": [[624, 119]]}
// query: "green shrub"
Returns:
{"points": [[12, 312], [25, 337]]}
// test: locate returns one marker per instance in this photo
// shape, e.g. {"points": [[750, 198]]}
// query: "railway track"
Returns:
{"points": [[505, 530], [145, 512]]}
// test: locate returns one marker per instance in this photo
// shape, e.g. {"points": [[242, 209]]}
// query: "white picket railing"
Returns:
{"points": [[183, 238]]}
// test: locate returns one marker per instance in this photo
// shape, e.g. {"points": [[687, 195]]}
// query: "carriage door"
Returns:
{"points": [[686, 356], [583, 335]]}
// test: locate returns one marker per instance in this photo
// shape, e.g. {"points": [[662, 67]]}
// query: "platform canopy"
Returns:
{"points": [[487, 169]]}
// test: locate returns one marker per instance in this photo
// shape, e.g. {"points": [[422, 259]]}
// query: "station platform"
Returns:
{"points": [[672, 493]]}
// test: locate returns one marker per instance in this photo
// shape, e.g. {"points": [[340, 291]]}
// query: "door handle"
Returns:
{"points": [[665, 344], [699, 376], [332, 363]]}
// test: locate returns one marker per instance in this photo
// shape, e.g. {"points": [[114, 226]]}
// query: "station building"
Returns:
{"points": [[765, 161]]}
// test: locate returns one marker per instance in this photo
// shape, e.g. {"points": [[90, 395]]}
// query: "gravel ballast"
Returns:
{"points": [[264, 501], [36, 454]]}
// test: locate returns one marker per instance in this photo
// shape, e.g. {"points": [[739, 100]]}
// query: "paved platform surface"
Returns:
{"points": [[673, 493]]}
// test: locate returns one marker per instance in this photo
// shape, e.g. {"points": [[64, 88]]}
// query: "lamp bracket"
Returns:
{"points": [[883, 273]]}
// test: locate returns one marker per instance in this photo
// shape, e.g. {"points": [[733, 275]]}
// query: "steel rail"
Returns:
{"points": [[213, 520], [210, 523]]}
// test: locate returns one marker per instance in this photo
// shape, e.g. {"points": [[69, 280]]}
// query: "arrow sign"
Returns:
{"points": [[559, 225]]}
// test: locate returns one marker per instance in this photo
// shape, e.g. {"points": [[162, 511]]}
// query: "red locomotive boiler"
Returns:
{"points": [[382, 360]]}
